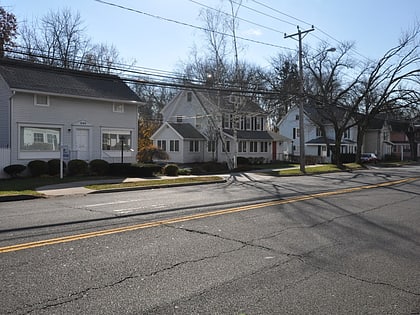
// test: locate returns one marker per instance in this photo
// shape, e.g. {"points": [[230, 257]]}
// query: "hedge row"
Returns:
{"points": [[81, 168]]}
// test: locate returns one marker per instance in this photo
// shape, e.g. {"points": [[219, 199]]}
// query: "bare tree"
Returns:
{"points": [[330, 95], [60, 39], [391, 83], [8, 29]]}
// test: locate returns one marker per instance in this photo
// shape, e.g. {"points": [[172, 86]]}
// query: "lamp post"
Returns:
{"points": [[122, 149]]}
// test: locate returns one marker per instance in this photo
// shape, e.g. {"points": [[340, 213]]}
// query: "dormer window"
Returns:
{"points": [[118, 108], [41, 100]]}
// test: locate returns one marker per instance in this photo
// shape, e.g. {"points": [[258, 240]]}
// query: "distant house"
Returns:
{"points": [[388, 137], [384, 137], [43, 109], [200, 126], [315, 142]]}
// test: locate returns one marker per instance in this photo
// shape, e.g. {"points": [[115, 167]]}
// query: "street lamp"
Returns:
{"points": [[122, 148]]}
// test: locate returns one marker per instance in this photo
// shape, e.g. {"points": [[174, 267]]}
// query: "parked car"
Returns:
{"points": [[369, 158]]}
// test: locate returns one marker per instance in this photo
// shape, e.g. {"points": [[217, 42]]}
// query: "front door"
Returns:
{"points": [[82, 144]]}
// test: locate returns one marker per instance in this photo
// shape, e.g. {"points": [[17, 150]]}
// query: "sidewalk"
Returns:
{"points": [[78, 188]]}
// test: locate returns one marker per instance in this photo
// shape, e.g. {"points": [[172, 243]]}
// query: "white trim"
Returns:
{"points": [[36, 103], [38, 154], [77, 96]]}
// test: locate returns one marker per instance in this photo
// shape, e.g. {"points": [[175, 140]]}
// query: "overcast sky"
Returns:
{"points": [[154, 42]]}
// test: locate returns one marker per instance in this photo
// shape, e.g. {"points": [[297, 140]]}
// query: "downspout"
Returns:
{"points": [[10, 124]]}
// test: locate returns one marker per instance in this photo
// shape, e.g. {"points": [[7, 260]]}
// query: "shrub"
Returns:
{"points": [[54, 167], [184, 171], [38, 168], [149, 153], [119, 169], [156, 168], [99, 167], [78, 167], [139, 170], [242, 160], [171, 170], [14, 170]]}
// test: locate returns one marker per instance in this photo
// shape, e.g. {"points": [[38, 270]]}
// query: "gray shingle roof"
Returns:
{"points": [[187, 131], [42, 78], [213, 101]]}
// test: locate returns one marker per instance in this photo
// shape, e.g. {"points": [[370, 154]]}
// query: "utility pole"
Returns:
{"points": [[301, 34]]}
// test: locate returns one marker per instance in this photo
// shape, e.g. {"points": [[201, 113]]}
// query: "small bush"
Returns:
{"points": [[99, 167], [184, 171], [242, 160], [78, 167], [14, 170], [119, 169], [138, 170], [38, 168], [54, 167], [154, 167], [171, 170]]}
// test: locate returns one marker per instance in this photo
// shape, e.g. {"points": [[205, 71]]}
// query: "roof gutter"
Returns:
{"points": [[14, 90]]}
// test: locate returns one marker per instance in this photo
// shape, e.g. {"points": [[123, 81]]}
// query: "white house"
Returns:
{"points": [[44, 108], [315, 142], [200, 126]]}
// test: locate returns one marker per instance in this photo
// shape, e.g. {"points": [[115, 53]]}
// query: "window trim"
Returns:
{"points": [[173, 145], [36, 103], [118, 132], [36, 154], [118, 108]]}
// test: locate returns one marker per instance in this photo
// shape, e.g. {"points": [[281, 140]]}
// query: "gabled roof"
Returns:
{"points": [[187, 131], [33, 77], [379, 122], [228, 103]]}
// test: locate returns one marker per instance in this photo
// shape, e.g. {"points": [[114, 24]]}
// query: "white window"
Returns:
{"points": [[161, 144], [118, 108], [211, 146], [194, 146], [41, 100], [318, 132], [179, 119], [253, 146], [346, 134], [296, 133], [39, 139], [264, 146], [113, 139], [174, 145], [242, 146]]}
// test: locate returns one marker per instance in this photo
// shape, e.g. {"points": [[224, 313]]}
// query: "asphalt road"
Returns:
{"points": [[343, 243]]}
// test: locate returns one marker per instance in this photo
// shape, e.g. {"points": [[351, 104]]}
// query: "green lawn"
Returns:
{"points": [[316, 169]]}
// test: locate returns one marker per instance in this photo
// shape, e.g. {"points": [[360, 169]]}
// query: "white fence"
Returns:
{"points": [[4, 160]]}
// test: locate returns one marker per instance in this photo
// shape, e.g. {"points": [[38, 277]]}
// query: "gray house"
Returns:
{"points": [[202, 126], [47, 112]]}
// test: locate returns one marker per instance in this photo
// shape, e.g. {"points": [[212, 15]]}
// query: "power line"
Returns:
{"points": [[239, 18], [282, 13], [188, 25], [309, 24], [129, 77]]}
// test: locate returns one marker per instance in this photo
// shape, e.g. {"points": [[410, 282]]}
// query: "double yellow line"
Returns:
{"points": [[71, 238]]}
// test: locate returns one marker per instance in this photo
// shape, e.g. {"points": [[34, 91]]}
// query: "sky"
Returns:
{"points": [[152, 41]]}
